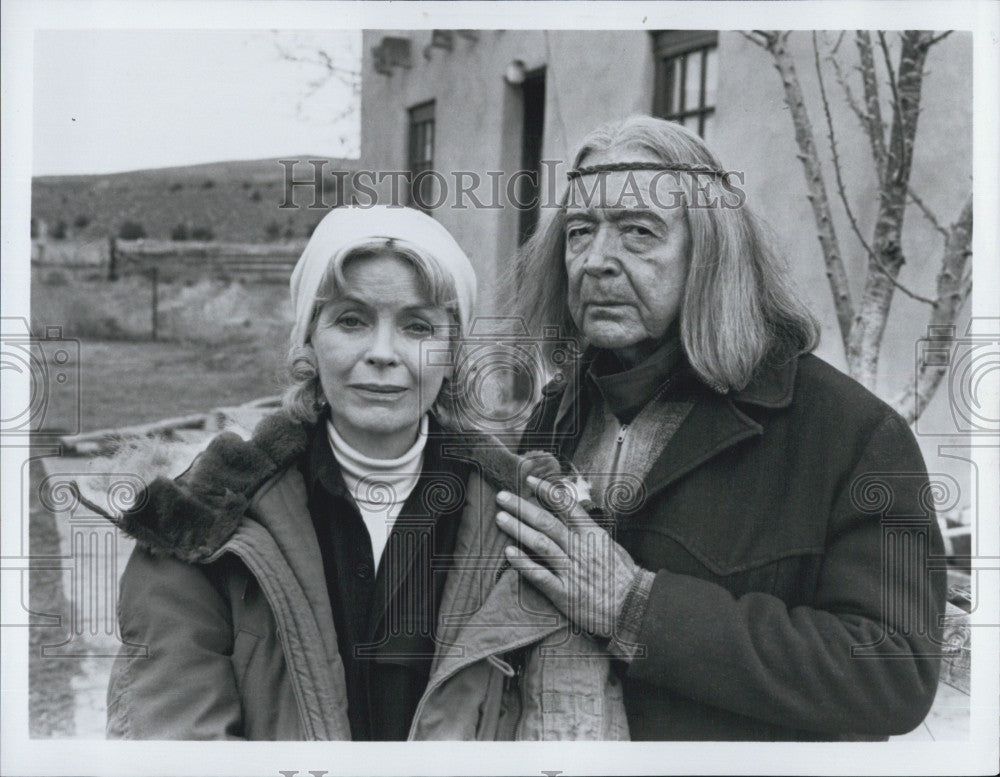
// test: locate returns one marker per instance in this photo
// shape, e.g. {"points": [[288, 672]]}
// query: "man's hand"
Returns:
{"points": [[584, 572]]}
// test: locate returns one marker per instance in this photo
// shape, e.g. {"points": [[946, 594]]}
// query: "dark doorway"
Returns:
{"points": [[533, 94]]}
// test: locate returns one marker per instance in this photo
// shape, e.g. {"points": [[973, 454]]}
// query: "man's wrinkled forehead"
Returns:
{"points": [[630, 189]]}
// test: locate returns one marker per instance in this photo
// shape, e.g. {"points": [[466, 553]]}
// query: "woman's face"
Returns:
{"points": [[370, 345]]}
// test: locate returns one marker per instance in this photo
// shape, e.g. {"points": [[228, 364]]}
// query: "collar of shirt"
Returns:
{"points": [[378, 484], [626, 391], [320, 467]]}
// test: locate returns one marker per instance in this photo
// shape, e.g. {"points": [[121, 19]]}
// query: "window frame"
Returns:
{"points": [[421, 132], [673, 47]]}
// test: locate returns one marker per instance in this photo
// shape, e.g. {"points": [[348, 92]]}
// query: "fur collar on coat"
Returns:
{"points": [[192, 516]]}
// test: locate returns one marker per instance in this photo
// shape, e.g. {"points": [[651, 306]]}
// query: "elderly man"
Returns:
{"points": [[763, 571]]}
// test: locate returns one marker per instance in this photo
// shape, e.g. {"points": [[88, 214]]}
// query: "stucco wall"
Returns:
{"points": [[478, 117]]}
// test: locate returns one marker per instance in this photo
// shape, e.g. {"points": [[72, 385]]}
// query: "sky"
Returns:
{"points": [[115, 100]]}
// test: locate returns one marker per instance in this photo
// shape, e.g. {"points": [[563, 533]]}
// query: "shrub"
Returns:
{"points": [[273, 230], [208, 184], [56, 278], [58, 231], [247, 184], [81, 221], [131, 230], [202, 233], [176, 187], [180, 232], [255, 197]]}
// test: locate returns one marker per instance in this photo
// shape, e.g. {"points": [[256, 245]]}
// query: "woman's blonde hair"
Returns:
{"points": [[738, 307], [303, 398]]}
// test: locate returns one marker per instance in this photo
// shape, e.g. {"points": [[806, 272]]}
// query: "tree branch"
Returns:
{"points": [[938, 39], [928, 213], [826, 233], [852, 102], [953, 286], [842, 190], [836, 46], [897, 116], [764, 39], [872, 121], [884, 265]]}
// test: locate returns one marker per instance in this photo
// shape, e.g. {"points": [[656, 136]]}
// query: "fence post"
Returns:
{"points": [[155, 276], [112, 259]]}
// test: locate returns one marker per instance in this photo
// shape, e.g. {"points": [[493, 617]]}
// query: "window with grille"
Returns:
{"points": [[421, 153], [687, 72]]}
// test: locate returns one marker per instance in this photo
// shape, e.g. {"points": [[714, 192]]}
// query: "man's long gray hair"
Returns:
{"points": [[738, 307]]}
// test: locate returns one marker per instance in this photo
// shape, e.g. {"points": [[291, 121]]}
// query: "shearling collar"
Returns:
{"points": [[193, 516]]}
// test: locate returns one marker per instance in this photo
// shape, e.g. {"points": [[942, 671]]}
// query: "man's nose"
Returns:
{"points": [[382, 350], [602, 257]]}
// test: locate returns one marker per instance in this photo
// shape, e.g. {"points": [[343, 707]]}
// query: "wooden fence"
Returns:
{"points": [[176, 260]]}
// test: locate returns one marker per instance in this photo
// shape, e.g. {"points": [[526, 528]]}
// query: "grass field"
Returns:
{"points": [[125, 383], [221, 344]]}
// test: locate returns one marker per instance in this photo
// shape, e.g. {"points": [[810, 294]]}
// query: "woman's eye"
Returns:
{"points": [[350, 321], [419, 328]]}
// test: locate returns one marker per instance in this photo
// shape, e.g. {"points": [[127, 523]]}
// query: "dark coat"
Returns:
{"points": [[789, 527]]}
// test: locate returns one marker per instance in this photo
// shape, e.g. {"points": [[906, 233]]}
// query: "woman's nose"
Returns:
{"points": [[382, 347]]}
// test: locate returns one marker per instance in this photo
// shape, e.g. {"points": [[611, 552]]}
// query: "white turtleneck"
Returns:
{"points": [[379, 486]]}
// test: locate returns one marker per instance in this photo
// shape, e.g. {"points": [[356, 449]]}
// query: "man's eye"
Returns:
{"points": [[578, 238], [637, 230]]}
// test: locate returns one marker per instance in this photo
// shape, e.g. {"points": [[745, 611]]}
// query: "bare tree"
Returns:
{"points": [[337, 65], [862, 323]]}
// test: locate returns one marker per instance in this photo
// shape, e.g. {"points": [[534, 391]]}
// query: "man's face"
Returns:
{"points": [[627, 254]]}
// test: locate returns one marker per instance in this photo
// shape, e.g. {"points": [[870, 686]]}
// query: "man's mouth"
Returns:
{"points": [[605, 303]]}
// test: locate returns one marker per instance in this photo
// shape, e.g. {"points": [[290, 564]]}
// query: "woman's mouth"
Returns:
{"points": [[380, 389]]}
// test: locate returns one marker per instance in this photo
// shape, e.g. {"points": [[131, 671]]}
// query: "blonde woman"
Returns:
{"points": [[287, 587]]}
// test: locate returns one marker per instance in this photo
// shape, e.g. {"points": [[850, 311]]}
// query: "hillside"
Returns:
{"points": [[238, 201]]}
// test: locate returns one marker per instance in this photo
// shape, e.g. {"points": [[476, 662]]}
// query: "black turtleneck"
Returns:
{"points": [[626, 390]]}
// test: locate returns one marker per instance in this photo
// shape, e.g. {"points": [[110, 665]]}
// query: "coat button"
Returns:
{"points": [[364, 570]]}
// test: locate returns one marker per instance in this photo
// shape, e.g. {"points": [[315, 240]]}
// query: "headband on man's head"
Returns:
{"points": [[616, 167]]}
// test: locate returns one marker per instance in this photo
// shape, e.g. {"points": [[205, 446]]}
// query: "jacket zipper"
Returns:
{"points": [[619, 445], [517, 687]]}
